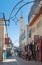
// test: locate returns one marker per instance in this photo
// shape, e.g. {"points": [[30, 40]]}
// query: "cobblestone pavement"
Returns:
{"points": [[15, 60]]}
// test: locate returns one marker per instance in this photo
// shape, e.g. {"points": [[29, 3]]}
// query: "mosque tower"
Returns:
{"points": [[21, 24], [21, 29]]}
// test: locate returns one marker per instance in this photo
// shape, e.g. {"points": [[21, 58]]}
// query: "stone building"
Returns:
{"points": [[35, 23], [33, 19], [2, 35]]}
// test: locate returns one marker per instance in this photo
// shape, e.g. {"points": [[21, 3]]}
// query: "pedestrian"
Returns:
{"points": [[29, 53], [26, 53]]}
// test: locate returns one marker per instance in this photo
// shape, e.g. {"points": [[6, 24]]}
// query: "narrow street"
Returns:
{"points": [[20, 32], [15, 60]]}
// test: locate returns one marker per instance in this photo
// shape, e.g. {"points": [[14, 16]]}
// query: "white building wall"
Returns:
{"points": [[37, 30], [25, 41]]}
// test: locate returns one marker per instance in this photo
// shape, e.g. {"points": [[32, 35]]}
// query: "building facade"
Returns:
{"points": [[35, 20], [35, 23], [25, 39], [2, 35]]}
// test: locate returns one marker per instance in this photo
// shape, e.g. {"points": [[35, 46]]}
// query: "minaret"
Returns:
{"points": [[21, 24], [21, 30]]}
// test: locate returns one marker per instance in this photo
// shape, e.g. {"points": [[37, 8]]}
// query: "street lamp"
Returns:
{"points": [[17, 11]]}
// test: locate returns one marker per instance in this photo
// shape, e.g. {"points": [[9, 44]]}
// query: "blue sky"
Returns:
{"points": [[6, 7]]}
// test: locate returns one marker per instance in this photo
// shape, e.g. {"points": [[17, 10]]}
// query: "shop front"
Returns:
{"points": [[38, 48]]}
